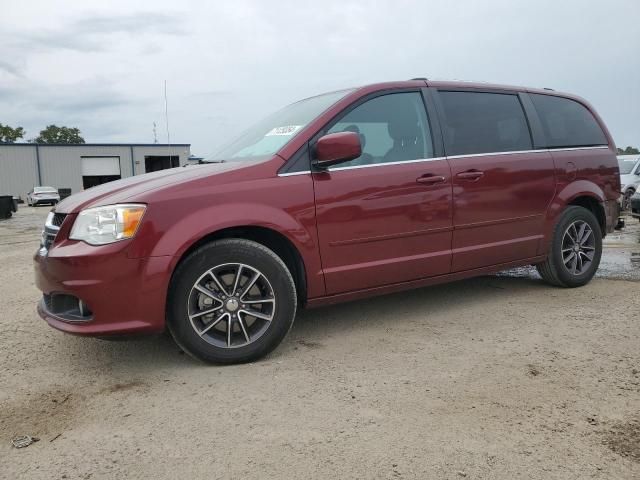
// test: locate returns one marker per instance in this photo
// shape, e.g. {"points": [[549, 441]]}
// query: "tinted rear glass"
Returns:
{"points": [[567, 123], [476, 122]]}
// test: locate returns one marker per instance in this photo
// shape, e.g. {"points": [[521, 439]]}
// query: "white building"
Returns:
{"points": [[79, 166]]}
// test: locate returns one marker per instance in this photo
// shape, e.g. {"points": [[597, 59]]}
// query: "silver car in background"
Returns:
{"points": [[635, 205], [40, 195], [629, 177]]}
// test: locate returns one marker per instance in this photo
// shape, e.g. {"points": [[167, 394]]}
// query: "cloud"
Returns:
{"points": [[211, 94], [78, 104], [9, 68], [143, 22], [95, 106], [101, 65], [89, 34]]}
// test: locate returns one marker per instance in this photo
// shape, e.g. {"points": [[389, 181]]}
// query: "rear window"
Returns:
{"points": [[567, 123], [478, 122], [44, 190]]}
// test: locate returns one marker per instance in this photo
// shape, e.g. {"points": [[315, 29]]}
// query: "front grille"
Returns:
{"points": [[48, 236], [51, 229], [57, 219]]}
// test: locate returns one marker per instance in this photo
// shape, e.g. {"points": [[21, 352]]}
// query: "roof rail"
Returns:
{"points": [[550, 89], [420, 78]]}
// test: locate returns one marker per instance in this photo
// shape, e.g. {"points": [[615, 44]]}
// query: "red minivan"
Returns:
{"points": [[341, 196]]}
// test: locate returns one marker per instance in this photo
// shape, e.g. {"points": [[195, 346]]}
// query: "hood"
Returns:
{"points": [[127, 189]]}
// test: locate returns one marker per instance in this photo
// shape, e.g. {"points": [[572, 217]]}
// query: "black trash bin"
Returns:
{"points": [[6, 206], [15, 204]]}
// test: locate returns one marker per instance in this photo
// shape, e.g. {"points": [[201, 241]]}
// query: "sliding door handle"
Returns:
{"points": [[430, 179], [470, 175]]}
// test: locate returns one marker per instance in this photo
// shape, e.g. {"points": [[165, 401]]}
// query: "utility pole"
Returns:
{"points": [[155, 133]]}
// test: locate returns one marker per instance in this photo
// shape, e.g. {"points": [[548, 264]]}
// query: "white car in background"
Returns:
{"points": [[41, 195], [629, 177]]}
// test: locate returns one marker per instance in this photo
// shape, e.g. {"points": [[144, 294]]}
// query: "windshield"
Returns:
{"points": [[626, 166], [44, 190], [268, 136]]}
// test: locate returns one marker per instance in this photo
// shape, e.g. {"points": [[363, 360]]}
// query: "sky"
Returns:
{"points": [[101, 66]]}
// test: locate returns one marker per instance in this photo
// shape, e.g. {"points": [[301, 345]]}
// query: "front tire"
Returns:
{"points": [[231, 301], [576, 249]]}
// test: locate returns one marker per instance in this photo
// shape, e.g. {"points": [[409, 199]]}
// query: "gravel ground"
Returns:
{"points": [[496, 377]]}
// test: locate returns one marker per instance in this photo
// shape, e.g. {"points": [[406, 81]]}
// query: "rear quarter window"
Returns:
{"points": [[567, 123]]}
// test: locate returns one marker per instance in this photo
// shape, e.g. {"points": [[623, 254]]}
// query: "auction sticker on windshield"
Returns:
{"points": [[286, 130]]}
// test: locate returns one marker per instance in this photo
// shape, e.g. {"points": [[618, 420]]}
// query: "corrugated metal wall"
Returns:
{"points": [[18, 172], [61, 166], [140, 152]]}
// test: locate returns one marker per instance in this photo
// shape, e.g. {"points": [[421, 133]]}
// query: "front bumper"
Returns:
{"points": [[123, 295]]}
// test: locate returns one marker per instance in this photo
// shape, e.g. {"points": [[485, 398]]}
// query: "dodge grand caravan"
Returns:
{"points": [[337, 197]]}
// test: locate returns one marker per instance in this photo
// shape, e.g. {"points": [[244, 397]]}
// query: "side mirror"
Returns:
{"points": [[337, 148]]}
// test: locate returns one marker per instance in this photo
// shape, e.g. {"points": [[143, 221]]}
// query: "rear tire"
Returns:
{"points": [[576, 249], [215, 291]]}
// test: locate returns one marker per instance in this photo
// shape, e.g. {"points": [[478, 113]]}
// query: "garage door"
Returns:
{"points": [[100, 166]]}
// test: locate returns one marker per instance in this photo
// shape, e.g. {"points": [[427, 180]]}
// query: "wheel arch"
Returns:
{"points": [[268, 237], [592, 204], [582, 193]]}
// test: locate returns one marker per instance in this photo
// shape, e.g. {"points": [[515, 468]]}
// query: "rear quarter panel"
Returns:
{"points": [[582, 172]]}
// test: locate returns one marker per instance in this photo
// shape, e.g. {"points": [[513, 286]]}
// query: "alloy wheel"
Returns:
{"points": [[578, 247], [231, 305]]}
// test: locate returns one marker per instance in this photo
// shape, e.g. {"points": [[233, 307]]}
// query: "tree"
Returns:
{"points": [[10, 135], [55, 134], [628, 151]]}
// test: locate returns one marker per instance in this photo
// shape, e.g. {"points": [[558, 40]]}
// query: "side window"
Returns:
{"points": [[476, 122], [567, 123], [392, 128]]}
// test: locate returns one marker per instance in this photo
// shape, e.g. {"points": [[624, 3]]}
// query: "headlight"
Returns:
{"points": [[112, 223]]}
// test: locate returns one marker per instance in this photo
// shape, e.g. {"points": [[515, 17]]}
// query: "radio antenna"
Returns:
{"points": [[166, 117]]}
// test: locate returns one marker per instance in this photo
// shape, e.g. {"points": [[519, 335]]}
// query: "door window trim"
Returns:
{"points": [[452, 157]]}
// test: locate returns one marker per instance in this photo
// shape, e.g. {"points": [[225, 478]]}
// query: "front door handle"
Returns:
{"points": [[470, 175], [429, 179]]}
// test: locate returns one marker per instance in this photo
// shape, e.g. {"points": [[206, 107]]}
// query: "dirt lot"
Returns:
{"points": [[496, 377]]}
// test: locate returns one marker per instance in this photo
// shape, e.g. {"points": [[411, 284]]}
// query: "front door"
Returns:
{"points": [[385, 217], [501, 186]]}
